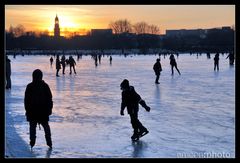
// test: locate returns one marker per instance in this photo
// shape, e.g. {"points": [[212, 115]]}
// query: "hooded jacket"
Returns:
{"points": [[38, 101]]}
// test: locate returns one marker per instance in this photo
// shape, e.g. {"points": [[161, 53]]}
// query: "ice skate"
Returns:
{"points": [[142, 133], [135, 137]]}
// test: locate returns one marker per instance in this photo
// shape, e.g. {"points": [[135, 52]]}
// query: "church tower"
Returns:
{"points": [[56, 27]]}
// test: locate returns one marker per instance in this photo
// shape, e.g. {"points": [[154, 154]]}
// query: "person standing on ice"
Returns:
{"points": [[38, 106], [231, 58], [51, 61], [72, 64], [157, 69], [216, 61], [8, 73], [63, 62], [131, 99], [58, 65], [173, 64]]}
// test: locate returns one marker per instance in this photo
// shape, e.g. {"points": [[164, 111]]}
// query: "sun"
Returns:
{"points": [[67, 22], [66, 25]]}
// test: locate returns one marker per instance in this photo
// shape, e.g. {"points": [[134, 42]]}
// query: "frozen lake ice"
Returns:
{"points": [[192, 115]]}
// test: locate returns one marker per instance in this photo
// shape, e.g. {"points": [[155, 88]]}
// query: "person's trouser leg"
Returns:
{"points": [[47, 131], [157, 78], [74, 69], [136, 124], [33, 125], [8, 82], [70, 70], [178, 70]]}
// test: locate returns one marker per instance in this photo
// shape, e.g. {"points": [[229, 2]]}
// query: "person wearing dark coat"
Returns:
{"points": [[51, 61], [131, 99], [157, 69], [58, 65], [72, 64], [8, 73], [63, 62], [38, 106], [110, 59], [231, 58], [173, 64], [216, 62]]}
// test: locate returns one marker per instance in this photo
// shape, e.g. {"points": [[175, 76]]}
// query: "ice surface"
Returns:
{"points": [[192, 115]]}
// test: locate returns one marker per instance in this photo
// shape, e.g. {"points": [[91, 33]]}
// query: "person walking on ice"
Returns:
{"points": [[131, 99], [216, 62], [173, 64], [157, 69], [38, 106], [72, 64]]}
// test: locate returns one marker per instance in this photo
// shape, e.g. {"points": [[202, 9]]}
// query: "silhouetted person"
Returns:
{"points": [[231, 58], [63, 62], [96, 60], [131, 99], [110, 59], [173, 64], [208, 55], [99, 58], [157, 69], [51, 61], [58, 65], [72, 64], [38, 106], [216, 61], [8, 73]]}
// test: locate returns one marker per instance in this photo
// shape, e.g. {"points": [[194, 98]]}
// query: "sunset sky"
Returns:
{"points": [[85, 17]]}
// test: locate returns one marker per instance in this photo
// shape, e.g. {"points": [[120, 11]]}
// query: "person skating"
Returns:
{"points": [[63, 62], [216, 62], [131, 99], [58, 65], [38, 106], [231, 58], [72, 64], [173, 64], [8, 73], [51, 61], [157, 69]]}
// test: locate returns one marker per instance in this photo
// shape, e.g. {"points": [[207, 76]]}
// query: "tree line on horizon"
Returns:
{"points": [[125, 36]]}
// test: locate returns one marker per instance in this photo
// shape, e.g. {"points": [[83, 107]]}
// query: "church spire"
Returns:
{"points": [[56, 27]]}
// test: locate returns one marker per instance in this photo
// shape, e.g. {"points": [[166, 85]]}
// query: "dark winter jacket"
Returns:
{"points": [[8, 68], [58, 64], [71, 61], [38, 101], [130, 99], [172, 60], [157, 68]]}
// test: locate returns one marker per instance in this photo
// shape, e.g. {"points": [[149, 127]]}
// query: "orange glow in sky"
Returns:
{"points": [[81, 18]]}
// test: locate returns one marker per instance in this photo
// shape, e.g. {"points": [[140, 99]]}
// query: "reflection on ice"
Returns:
{"points": [[194, 112]]}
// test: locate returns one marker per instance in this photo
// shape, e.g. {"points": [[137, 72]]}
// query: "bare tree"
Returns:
{"points": [[121, 26], [141, 28], [19, 30], [153, 29]]}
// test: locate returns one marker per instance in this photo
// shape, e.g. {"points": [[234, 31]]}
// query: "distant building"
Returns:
{"points": [[56, 27], [101, 32], [194, 32], [186, 32]]}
